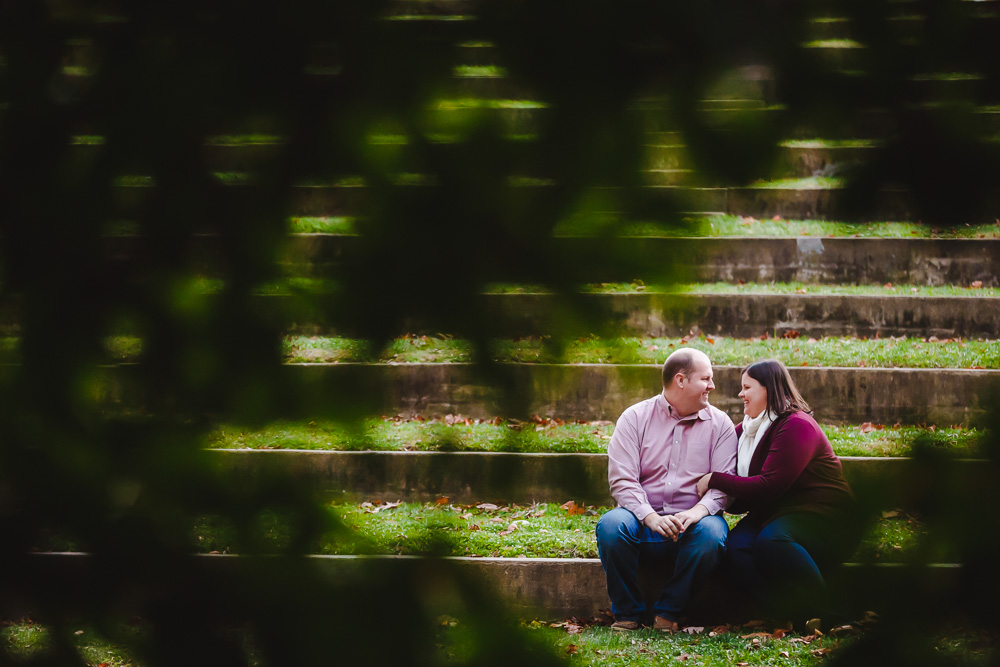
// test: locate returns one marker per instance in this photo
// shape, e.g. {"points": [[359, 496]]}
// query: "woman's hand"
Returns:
{"points": [[702, 487]]}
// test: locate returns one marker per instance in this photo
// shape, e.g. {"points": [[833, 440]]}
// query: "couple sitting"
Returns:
{"points": [[675, 462]]}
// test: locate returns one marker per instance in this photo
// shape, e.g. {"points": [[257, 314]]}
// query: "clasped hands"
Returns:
{"points": [[672, 526]]}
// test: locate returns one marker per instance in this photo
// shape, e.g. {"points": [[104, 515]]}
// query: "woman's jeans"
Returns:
{"points": [[779, 564], [623, 542]]}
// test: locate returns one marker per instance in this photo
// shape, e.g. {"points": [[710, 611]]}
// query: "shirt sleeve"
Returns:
{"points": [[723, 460], [623, 467], [792, 447]]}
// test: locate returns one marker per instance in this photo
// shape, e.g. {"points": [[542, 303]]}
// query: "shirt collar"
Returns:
{"points": [[671, 412]]}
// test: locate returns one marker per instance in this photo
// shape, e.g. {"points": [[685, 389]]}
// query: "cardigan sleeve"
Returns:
{"points": [[792, 447]]}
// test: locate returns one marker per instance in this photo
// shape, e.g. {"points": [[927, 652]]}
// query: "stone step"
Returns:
{"points": [[502, 477], [791, 161], [546, 588], [664, 164], [720, 259], [589, 392], [675, 315], [660, 315], [791, 201]]}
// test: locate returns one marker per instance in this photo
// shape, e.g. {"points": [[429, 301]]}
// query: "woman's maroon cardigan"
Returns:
{"points": [[793, 469]]}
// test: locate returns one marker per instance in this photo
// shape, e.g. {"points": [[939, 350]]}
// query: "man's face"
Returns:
{"points": [[695, 386]]}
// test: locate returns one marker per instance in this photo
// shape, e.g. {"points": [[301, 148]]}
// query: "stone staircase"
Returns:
{"points": [[409, 181]]}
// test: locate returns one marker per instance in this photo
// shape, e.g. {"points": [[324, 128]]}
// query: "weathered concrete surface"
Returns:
{"points": [[672, 315], [474, 477], [464, 477], [747, 315], [547, 588], [750, 259], [602, 391]]}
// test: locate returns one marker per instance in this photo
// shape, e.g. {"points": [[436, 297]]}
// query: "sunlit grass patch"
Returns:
{"points": [[26, 640], [457, 433], [727, 646], [449, 433], [386, 526], [844, 351]]}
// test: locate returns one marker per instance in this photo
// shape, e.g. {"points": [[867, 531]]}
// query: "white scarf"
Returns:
{"points": [[753, 432]]}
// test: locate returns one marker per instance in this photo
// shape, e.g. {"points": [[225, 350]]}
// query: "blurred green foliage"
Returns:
{"points": [[156, 80]]}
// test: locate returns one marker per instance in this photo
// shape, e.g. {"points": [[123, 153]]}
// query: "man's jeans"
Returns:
{"points": [[623, 542]]}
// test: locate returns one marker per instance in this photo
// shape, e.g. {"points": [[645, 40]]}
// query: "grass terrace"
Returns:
{"points": [[295, 285], [889, 289], [709, 226], [793, 351], [539, 530], [583, 642], [456, 433]]}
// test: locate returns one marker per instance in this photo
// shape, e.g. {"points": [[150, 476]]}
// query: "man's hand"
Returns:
{"points": [[692, 516], [668, 526], [702, 487]]}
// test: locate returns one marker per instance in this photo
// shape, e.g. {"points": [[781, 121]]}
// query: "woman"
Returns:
{"points": [[801, 515]]}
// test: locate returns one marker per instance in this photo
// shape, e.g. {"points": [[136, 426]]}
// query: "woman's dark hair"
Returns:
{"points": [[782, 396]]}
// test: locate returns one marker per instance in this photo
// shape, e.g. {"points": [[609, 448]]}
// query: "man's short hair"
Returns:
{"points": [[681, 361]]}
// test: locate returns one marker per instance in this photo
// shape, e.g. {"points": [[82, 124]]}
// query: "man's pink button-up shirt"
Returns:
{"points": [[656, 458]]}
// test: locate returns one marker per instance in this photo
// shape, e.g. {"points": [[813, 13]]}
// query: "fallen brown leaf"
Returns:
{"points": [[443, 500], [784, 654], [694, 629], [489, 507], [867, 427], [756, 634], [571, 649]]}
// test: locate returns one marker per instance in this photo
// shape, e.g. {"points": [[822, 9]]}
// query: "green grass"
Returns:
{"points": [[540, 530], [888, 289], [456, 433], [26, 640], [714, 226], [833, 44], [598, 645], [810, 183], [452, 104], [830, 143], [452, 433], [582, 643], [327, 225], [488, 71], [824, 352], [717, 226], [827, 352]]}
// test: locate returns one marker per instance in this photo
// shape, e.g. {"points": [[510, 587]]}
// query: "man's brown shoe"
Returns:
{"points": [[625, 626], [665, 625]]}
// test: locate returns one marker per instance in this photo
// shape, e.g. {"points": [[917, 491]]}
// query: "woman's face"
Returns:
{"points": [[754, 396]]}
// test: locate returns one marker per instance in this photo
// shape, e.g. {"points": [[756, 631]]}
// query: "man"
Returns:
{"points": [[661, 447]]}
